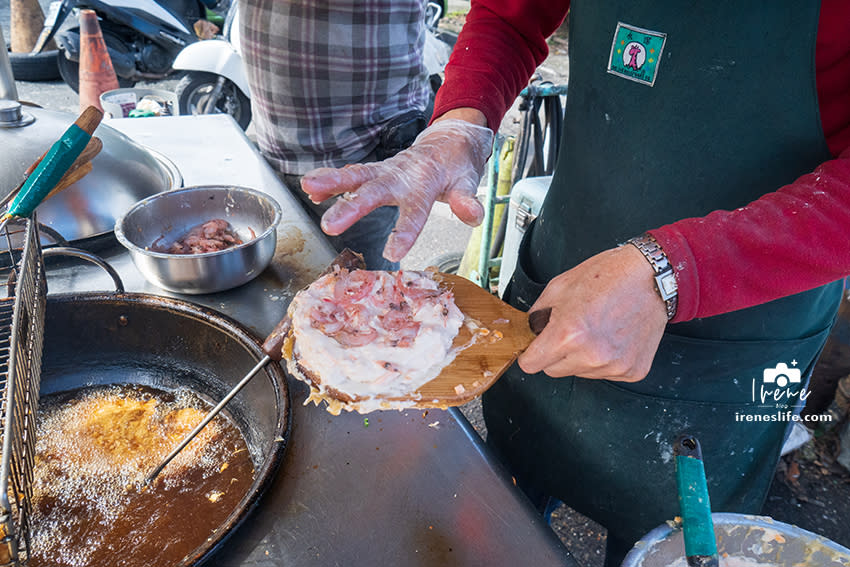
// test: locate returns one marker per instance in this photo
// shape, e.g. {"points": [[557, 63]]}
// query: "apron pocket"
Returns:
{"points": [[522, 290], [605, 448], [718, 371]]}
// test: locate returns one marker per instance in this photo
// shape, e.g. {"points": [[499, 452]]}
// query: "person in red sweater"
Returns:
{"points": [[689, 250]]}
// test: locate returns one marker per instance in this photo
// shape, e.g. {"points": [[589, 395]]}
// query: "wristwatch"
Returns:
{"points": [[665, 277]]}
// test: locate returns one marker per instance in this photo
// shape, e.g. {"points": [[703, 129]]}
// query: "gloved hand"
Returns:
{"points": [[445, 163]]}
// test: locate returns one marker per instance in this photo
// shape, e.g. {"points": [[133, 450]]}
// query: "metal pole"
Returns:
{"points": [[8, 91], [489, 211], [209, 417]]}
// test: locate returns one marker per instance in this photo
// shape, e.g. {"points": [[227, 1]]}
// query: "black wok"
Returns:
{"points": [[119, 338]]}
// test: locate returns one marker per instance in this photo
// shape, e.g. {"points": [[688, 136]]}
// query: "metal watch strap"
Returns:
{"points": [[665, 277]]}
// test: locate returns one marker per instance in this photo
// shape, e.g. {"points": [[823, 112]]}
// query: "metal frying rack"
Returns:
{"points": [[21, 337]]}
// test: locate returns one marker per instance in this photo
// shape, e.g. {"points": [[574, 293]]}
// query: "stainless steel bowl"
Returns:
{"points": [[754, 540], [164, 217]]}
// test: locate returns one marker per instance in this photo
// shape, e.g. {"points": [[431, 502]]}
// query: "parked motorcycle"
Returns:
{"points": [[142, 36], [215, 81]]}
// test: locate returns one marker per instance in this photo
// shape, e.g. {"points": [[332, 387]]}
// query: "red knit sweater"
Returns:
{"points": [[788, 241]]}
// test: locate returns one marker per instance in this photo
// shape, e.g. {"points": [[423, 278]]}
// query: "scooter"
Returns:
{"points": [[142, 36], [216, 82]]}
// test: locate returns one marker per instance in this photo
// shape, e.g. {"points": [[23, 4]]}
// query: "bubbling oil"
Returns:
{"points": [[94, 448]]}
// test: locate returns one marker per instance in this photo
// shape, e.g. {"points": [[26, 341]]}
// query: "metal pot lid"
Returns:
{"points": [[123, 173]]}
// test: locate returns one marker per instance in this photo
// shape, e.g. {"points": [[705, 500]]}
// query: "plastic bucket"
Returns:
{"points": [[118, 103], [742, 541]]}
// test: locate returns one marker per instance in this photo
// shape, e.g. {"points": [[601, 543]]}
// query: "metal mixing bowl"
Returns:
{"points": [[753, 540], [165, 217]]}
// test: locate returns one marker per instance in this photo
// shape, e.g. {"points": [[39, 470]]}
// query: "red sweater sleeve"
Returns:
{"points": [[499, 47], [788, 241], [784, 243]]}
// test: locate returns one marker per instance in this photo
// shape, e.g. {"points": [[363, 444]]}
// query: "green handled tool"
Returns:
{"points": [[53, 165], [694, 505]]}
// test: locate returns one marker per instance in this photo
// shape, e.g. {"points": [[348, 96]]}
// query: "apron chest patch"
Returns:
{"points": [[635, 53]]}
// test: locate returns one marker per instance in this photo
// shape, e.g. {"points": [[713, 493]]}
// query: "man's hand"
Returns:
{"points": [[445, 163], [606, 322]]}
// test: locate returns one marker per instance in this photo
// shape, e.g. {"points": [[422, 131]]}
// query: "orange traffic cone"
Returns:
{"points": [[96, 73]]}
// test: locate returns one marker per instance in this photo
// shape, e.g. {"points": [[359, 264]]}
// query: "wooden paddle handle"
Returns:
{"points": [[537, 320], [89, 119], [273, 345], [87, 122]]}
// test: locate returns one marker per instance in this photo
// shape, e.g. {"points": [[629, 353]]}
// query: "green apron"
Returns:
{"points": [[732, 114]]}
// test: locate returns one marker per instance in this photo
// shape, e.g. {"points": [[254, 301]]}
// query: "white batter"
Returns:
{"points": [[374, 335]]}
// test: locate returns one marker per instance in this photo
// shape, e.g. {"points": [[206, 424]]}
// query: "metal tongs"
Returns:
{"points": [[67, 161]]}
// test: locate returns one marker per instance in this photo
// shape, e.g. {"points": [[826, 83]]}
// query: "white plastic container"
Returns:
{"points": [[526, 198], [119, 102]]}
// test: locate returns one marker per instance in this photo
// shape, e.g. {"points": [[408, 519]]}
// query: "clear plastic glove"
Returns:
{"points": [[445, 163]]}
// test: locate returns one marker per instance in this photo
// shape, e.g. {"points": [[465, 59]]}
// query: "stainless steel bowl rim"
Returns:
{"points": [[122, 238], [659, 535]]}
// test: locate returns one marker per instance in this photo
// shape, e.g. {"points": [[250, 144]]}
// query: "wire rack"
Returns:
{"points": [[22, 308]]}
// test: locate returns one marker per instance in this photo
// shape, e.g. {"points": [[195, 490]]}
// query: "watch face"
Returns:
{"points": [[667, 285]]}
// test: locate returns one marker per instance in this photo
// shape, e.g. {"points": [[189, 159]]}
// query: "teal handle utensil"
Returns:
{"points": [[54, 164], [694, 505]]}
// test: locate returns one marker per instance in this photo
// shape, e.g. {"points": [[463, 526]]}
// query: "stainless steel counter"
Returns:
{"points": [[411, 488]]}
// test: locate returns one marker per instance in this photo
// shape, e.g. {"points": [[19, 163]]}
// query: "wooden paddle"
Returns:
{"points": [[478, 367], [508, 332]]}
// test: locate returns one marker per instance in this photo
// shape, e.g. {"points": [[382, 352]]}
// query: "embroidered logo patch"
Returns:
{"points": [[635, 53]]}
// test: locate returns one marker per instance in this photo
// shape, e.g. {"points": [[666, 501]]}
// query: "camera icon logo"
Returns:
{"points": [[781, 375]]}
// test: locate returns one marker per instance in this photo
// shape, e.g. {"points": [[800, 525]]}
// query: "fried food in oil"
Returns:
{"points": [[122, 430]]}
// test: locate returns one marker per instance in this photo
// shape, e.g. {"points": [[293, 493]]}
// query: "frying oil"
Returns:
{"points": [[94, 448]]}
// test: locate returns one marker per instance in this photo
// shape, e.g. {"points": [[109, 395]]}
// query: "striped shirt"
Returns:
{"points": [[326, 74]]}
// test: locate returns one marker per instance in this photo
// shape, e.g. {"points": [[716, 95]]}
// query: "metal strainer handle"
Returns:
{"points": [[208, 418]]}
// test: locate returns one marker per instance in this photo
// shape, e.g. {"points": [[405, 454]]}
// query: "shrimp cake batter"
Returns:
{"points": [[368, 340]]}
